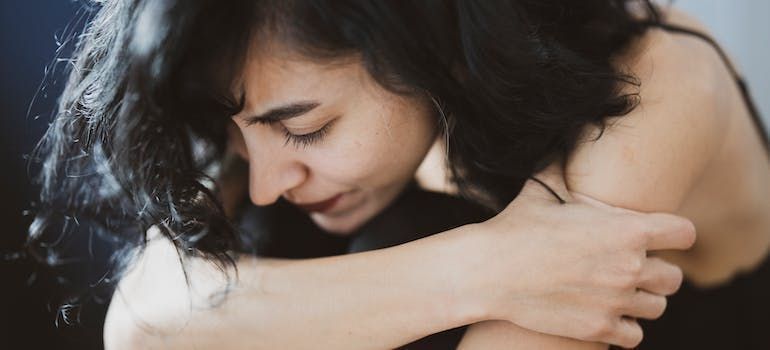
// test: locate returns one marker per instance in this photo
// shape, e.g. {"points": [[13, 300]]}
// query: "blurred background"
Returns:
{"points": [[34, 33], [742, 29]]}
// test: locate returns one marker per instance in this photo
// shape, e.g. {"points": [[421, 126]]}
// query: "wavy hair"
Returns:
{"points": [[140, 128]]}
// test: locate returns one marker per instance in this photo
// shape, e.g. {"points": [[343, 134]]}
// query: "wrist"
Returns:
{"points": [[465, 268], [496, 271]]}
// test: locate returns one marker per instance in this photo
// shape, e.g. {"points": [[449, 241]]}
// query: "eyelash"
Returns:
{"points": [[305, 140]]}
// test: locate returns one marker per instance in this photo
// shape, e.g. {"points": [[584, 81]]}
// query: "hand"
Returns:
{"points": [[579, 269]]}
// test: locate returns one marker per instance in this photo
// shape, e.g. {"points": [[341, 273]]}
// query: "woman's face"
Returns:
{"points": [[327, 137]]}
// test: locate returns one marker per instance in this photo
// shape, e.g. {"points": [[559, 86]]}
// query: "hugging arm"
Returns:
{"points": [[536, 264], [378, 299]]}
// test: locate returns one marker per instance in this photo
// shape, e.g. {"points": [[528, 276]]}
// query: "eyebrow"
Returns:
{"points": [[284, 112]]}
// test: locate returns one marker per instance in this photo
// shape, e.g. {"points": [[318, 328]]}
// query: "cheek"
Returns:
{"points": [[351, 162], [379, 154]]}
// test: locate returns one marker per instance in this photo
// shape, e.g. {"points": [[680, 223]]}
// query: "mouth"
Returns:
{"points": [[320, 207]]}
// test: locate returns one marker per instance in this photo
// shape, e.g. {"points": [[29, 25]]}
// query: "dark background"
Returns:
{"points": [[31, 293]]}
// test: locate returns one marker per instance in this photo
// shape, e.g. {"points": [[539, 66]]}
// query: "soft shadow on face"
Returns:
{"points": [[348, 148]]}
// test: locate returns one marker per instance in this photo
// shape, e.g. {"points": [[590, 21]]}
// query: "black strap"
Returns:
{"points": [[561, 200]]}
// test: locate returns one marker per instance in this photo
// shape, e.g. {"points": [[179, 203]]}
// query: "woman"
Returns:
{"points": [[338, 103]]}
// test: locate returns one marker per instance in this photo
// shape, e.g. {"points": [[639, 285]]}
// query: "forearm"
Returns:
{"points": [[378, 299], [506, 335], [536, 264]]}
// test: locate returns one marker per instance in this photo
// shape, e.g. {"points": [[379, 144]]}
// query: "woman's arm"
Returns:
{"points": [[647, 160], [537, 264], [378, 299]]}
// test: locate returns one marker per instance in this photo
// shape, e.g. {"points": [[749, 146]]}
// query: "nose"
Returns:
{"points": [[272, 174]]}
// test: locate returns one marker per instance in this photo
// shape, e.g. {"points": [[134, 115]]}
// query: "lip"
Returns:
{"points": [[320, 207]]}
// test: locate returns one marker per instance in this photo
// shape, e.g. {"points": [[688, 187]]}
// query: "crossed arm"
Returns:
{"points": [[487, 275], [347, 302], [386, 298], [476, 274]]}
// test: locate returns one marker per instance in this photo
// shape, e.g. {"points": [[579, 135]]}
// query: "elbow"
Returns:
{"points": [[121, 331], [149, 303], [125, 330]]}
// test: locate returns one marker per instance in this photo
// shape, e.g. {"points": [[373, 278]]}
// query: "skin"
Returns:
{"points": [[355, 159], [373, 146], [493, 270], [366, 126], [369, 125], [690, 148], [721, 166]]}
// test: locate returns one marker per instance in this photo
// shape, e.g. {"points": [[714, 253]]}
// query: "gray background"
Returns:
{"points": [[742, 27]]}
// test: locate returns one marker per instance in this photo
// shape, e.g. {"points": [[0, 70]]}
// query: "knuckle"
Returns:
{"points": [[638, 240], [635, 266], [616, 306], [639, 224], [624, 281], [600, 330], [631, 274]]}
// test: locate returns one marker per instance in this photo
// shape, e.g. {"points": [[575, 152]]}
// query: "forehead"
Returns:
{"points": [[273, 74]]}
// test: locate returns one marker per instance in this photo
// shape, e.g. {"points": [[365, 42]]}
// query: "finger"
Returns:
{"points": [[666, 231], [645, 305], [628, 333], [660, 277]]}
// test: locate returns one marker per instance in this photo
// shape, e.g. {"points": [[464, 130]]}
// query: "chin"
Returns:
{"points": [[344, 224], [348, 221], [337, 227]]}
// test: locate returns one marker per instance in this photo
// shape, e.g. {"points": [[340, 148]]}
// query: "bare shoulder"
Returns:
{"points": [[649, 159]]}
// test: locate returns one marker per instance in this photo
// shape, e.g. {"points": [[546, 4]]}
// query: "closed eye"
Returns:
{"points": [[308, 139], [298, 140]]}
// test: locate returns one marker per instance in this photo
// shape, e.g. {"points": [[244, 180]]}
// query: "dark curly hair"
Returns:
{"points": [[140, 129]]}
